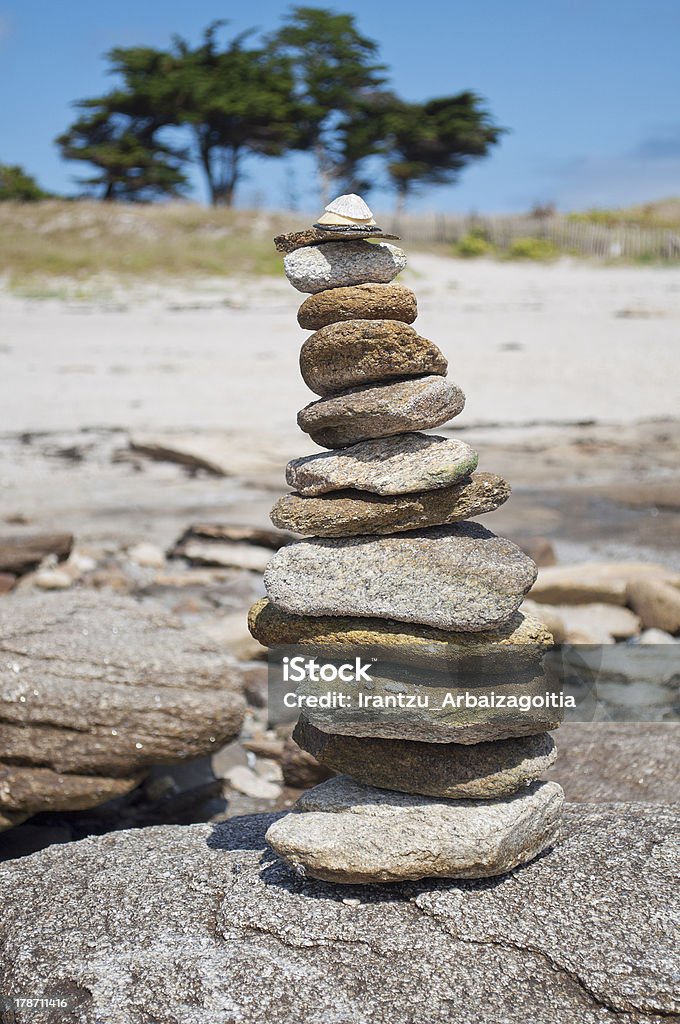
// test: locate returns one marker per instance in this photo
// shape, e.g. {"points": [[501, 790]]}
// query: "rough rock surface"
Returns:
{"points": [[361, 302], [452, 577], [348, 355], [421, 646], [400, 464], [94, 689], [482, 771], [313, 236], [606, 761], [342, 831], [584, 933], [381, 410], [340, 264], [657, 603], [348, 513]]}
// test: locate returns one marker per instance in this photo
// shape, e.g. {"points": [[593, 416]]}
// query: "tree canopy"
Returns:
{"points": [[316, 85]]}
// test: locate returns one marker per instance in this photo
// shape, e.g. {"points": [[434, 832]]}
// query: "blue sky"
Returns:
{"points": [[589, 88]]}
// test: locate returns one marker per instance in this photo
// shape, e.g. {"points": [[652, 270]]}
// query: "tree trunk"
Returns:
{"points": [[324, 170], [205, 160], [225, 189], [400, 204]]}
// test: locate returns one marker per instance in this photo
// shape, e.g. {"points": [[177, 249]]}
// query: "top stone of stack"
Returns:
{"points": [[347, 217]]}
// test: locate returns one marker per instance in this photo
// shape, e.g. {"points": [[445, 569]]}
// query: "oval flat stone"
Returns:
{"points": [[348, 513], [522, 641], [399, 702], [381, 410], [358, 302], [452, 577], [342, 831], [313, 236], [346, 355], [339, 264], [480, 771], [401, 464]]}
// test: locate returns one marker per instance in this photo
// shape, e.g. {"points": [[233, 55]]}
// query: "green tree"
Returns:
{"points": [[16, 185], [121, 133], [336, 72], [430, 143], [238, 101]]}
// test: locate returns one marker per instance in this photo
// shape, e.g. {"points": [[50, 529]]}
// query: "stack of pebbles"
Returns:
{"points": [[391, 566]]}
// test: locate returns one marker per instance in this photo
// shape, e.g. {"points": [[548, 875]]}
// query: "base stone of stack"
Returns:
{"points": [[348, 513], [380, 410], [359, 302], [348, 833], [452, 577], [358, 352], [482, 771], [316, 268], [401, 464]]}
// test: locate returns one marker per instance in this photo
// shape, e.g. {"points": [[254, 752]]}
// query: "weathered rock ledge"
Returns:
{"points": [[202, 924]]}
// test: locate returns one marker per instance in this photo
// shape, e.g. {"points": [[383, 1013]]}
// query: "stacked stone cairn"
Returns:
{"points": [[388, 563]]}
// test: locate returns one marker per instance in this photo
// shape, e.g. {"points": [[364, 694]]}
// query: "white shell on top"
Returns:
{"points": [[351, 206]]}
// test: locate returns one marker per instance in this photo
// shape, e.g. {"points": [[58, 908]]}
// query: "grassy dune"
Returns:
{"points": [[79, 240], [53, 247]]}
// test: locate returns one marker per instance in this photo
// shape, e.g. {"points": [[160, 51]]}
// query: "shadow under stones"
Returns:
{"points": [[248, 833]]}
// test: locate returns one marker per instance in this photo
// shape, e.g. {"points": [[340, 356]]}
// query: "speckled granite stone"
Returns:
{"points": [[349, 513], [401, 464], [381, 410], [479, 771], [452, 577], [339, 264], [357, 352], [344, 832]]}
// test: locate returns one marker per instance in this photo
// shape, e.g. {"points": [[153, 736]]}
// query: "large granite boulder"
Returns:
{"points": [[94, 689], [201, 924]]}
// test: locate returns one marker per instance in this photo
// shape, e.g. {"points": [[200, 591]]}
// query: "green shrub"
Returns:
{"points": [[18, 186], [533, 249], [473, 245]]}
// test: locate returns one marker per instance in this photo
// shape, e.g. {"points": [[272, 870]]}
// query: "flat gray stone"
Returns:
{"points": [[358, 352], [586, 933], [380, 410], [403, 703], [315, 268], [349, 513], [359, 302], [400, 464], [481, 771], [342, 831], [313, 236], [522, 641], [453, 577]]}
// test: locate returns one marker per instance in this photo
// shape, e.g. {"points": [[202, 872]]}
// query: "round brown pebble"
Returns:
{"points": [[345, 355], [359, 302]]}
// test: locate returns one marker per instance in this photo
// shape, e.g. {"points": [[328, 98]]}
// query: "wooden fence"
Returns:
{"points": [[570, 236]]}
